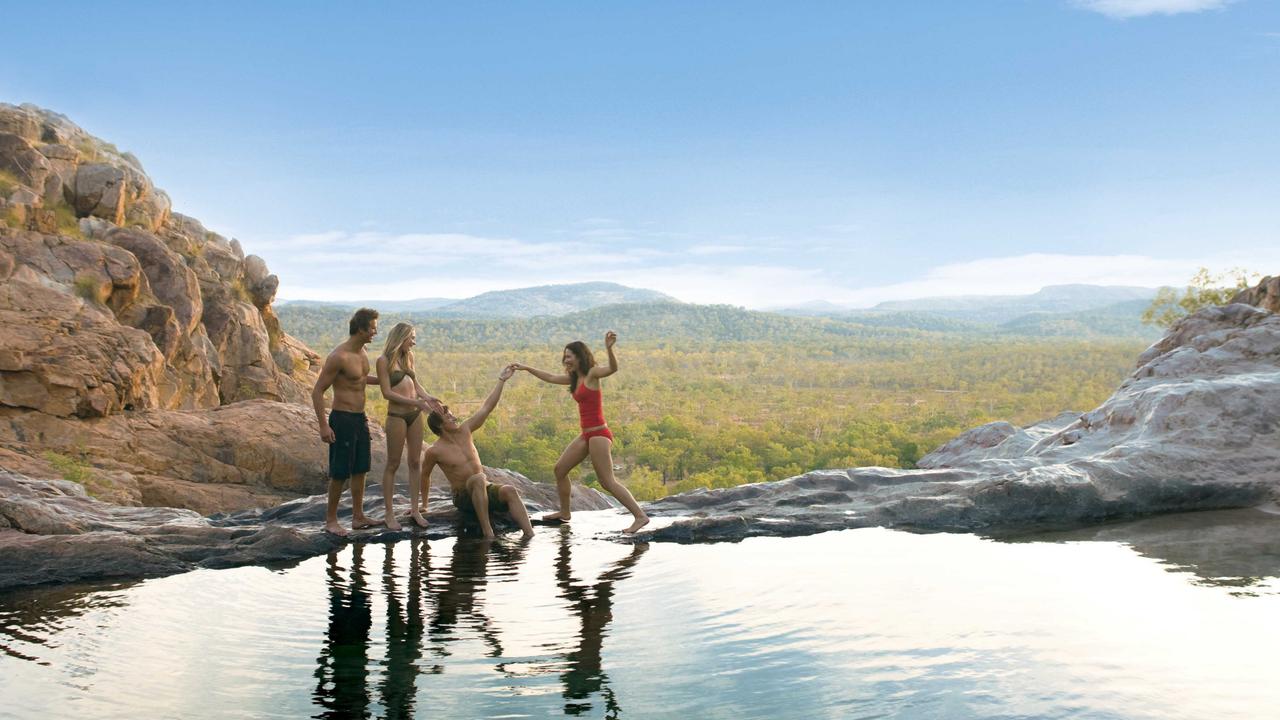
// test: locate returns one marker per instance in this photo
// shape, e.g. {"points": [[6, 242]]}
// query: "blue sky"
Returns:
{"points": [[752, 153]]}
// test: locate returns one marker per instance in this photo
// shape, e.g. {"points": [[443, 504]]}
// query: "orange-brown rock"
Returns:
{"points": [[1266, 295], [116, 312], [248, 454]]}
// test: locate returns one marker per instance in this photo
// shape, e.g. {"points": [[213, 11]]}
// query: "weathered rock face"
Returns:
{"points": [[52, 532], [1265, 295], [1195, 427], [248, 454], [112, 303], [204, 305]]}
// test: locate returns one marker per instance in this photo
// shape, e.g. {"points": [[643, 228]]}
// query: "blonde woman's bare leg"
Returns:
{"points": [[395, 448], [413, 442]]}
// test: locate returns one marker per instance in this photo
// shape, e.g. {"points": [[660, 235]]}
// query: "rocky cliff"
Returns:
{"points": [[126, 329]]}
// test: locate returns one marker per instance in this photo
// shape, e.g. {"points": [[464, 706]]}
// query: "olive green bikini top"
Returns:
{"points": [[398, 375]]}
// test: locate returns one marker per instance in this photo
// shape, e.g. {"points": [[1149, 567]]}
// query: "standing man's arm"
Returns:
{"points": [[474, 422], [328, 374]]}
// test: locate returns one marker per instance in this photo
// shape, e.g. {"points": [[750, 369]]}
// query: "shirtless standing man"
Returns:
{"points": [[346, 370], [455, 452]]}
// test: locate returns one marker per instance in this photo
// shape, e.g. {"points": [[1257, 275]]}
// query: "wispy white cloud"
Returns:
{"points": [[716, 249], [391, 256], [1139, 8], [364, 265]]}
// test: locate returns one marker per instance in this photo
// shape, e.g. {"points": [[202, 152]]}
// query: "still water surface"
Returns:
{"points": [[1168, 618]]}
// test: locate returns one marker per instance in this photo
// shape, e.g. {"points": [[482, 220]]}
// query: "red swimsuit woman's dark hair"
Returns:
{"points": [[586, 361]]}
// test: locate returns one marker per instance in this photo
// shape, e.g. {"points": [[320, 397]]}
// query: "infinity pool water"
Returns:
{"points": [[1168, 618]]}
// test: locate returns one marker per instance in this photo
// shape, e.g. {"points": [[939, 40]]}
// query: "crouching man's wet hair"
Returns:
{"points": [[435, 422]]}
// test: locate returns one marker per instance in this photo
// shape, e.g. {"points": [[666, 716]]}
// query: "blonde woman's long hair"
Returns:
{"points": [[395, 351]]}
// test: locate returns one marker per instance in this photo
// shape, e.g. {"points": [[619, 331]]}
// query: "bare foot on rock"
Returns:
{"points": [[391, 522], [336, 529], [639, 523], [418, 519], [563, 516], [362, 521]]}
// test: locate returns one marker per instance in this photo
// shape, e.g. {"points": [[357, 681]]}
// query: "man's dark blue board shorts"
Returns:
{"points": [[349, 451]]}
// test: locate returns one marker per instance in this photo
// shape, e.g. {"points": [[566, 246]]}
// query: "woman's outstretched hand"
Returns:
{"points": [[610, 338], [507, 372]]}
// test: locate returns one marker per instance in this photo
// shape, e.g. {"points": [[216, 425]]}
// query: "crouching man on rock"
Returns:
{"points": [[346, 370], [455, 452]]}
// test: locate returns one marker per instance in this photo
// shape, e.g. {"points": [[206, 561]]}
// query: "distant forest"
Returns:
{"points": [[716, 396]]}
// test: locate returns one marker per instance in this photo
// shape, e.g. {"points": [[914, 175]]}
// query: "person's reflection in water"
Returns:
{"points": [[593, 604], [404, 630], [458, 591], [343, 666]]}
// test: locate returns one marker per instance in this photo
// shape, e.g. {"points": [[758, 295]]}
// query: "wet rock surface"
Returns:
{"points": [[51, 531]]}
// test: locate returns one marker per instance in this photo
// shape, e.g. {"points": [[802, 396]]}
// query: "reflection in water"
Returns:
{"points": [[404, 630], [1224, 548], [343, 664], [593, 605], [458, 591], [29, 615], [861, 622], [456, 594]]}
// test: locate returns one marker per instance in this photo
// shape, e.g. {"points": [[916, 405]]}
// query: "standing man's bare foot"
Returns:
{"points": [[391, 522], [562, 516], [639, 523], [526, 535], [362, 521], [334, 528], [418, 519]]}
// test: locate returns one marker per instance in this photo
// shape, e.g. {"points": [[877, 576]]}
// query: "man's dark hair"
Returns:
{"points": [[360, 321], [435, 422]]}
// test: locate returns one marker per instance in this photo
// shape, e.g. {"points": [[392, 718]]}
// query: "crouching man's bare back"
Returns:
{"points": [[455, 452]]}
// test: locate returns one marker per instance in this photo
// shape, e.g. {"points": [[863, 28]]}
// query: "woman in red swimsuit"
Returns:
{"points": [[582, 375]]}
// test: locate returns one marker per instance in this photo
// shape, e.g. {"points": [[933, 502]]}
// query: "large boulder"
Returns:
{"points": [[19, 159], [99, 190], [66, 356], [172, 282], [1265, 295], [249, 454]]}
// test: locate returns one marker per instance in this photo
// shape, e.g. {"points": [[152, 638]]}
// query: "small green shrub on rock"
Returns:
{"points": [[86, 286], [1204, 290], [8, 183], [73, 469], [68, 223]]}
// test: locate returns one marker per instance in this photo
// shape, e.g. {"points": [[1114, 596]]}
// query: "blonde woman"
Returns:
{"points": [[583, 375], [406, 401]]}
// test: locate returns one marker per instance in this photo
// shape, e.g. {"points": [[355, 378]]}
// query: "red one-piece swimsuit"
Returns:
{"points": [[591, 412]]}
